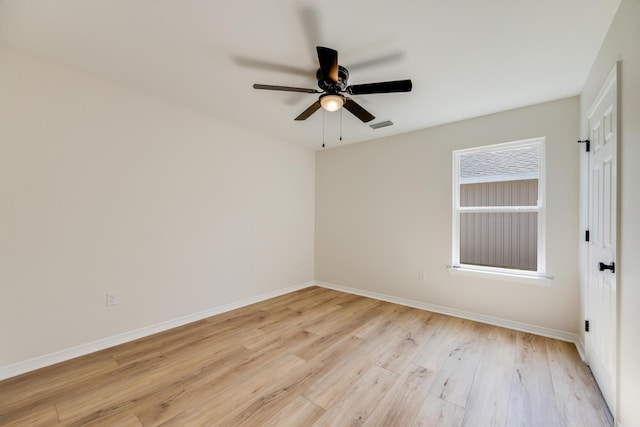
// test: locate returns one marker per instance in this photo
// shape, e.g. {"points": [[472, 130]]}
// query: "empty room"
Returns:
{"points": [[303, 213]]}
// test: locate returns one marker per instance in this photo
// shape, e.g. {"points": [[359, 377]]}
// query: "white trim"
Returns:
{"points": [[501, 145], [489, 209], [455, 212], [499, 178], [22, 367], [504, 274], [580, 347], [540, 208], [482, 318], [608, 83], [542, 204]]}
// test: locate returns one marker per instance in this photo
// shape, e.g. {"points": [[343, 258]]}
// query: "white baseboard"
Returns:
{"points": [[483, 318], [22, 367], [580, 347]]}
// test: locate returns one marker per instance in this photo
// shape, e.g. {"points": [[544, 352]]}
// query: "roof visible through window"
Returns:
{"points": [[500, 165]]}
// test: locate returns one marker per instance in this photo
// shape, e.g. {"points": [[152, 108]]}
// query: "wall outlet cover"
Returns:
{"points": [[112, 298]]}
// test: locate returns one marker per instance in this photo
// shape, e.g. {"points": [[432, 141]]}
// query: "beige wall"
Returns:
{"points": [[383, 213], [623, 44], [103, 188]]}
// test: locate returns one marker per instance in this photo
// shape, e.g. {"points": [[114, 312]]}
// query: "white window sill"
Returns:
{"points": [[499, 274]]}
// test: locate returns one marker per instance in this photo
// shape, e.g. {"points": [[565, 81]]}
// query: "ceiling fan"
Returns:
{"points": [[332, 80]]}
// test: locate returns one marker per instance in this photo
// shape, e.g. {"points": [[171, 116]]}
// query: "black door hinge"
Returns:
{"points": [[587, 144], [586, 326], [586, 236]]}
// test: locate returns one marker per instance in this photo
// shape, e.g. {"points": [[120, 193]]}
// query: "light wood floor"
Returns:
{"points": [[316, 357]]}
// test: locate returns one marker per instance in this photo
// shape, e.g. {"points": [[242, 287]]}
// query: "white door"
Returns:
{"points": [[601, 277]]}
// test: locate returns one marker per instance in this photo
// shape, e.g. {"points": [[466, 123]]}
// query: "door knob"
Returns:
{"points": [[602, 266]]}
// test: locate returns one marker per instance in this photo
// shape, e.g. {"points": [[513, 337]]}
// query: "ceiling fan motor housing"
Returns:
{"points": [[332, 79], [327, 85]]}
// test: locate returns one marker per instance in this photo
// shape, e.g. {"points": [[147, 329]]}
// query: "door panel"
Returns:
{"points": [[601, 341]]}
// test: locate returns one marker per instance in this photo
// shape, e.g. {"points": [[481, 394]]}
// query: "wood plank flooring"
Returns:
{"points": [[316, 357]]}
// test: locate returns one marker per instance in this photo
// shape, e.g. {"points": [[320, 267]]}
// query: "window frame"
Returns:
{"points": [[540, 208]]}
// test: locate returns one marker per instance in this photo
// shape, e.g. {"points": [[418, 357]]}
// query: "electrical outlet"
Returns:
{"points": [[423, 275], [112, 298]]}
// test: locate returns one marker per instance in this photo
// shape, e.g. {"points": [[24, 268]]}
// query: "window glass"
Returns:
{"points": [[498, 206]]}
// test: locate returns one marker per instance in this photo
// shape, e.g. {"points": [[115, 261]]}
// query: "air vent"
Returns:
{"points": [[381, 124]]}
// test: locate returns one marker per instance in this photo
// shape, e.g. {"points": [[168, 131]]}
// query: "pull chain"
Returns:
{"points": [[323, 128], [341, 123]]}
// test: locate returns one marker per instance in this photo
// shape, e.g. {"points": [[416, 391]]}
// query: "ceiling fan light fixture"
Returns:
{"points": [[331, 102], [332, 81]]}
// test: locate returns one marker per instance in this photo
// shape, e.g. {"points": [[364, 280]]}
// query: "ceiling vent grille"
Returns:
{"points": [[381, 124]]}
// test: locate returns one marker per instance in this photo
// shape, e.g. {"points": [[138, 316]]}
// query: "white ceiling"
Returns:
{"points": [[465, 57]]}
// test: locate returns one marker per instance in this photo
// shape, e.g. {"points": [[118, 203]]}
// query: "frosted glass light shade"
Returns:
{"points": [[331, 102]]}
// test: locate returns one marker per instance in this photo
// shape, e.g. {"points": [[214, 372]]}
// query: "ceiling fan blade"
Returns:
{"points": [[311, 26], [272, 66], [390, 57], [381, 87], [356, 109], [328, 59], [285, 88], [309, 111]]}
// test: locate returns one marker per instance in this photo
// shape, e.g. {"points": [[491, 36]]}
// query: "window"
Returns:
{"points": [[498, 208]]}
